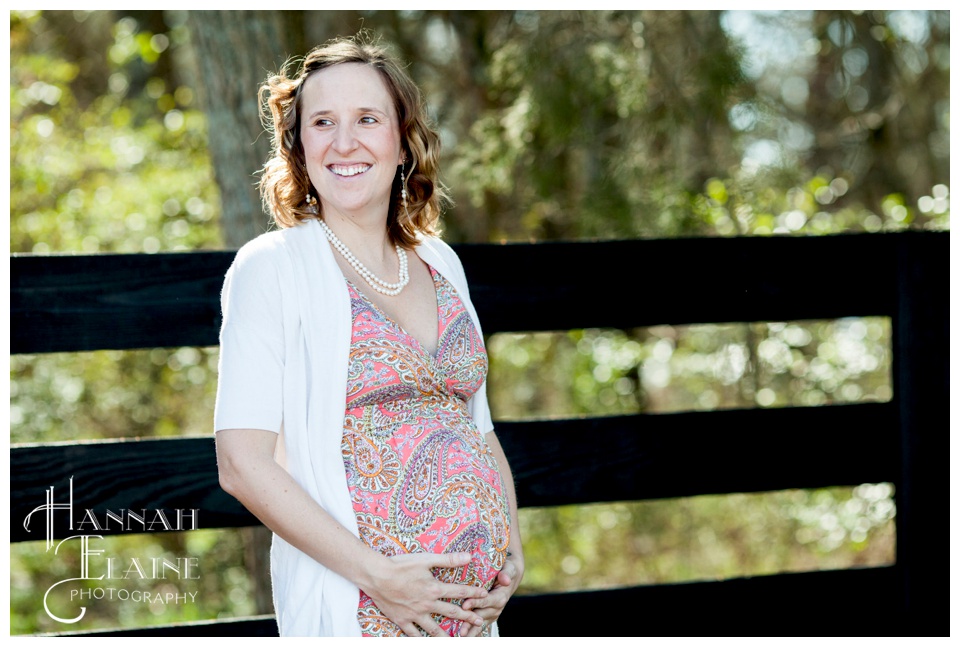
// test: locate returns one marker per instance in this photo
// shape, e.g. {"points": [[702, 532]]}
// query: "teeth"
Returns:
{"points": [[347, 171]]}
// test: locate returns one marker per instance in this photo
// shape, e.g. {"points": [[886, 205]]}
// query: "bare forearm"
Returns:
{"points": [[277, 500]]}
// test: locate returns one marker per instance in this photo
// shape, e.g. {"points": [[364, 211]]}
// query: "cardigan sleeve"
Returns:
{"points": [[250, 384]]}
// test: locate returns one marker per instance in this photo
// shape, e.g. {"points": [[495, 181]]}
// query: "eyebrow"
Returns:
{"points": [[320, 113]]}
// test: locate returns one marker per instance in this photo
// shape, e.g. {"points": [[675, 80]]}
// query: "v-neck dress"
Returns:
{"points": [[420, 475]]}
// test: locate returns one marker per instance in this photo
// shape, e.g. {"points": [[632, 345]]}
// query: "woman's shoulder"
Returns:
{"points": [[270, 248], [439, 247], [439, 254]]}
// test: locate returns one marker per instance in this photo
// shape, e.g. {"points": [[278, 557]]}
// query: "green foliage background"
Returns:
{"points": [[555, 125]]}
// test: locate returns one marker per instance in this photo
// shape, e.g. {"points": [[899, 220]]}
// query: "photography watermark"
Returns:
{"points": [[128, 573]]}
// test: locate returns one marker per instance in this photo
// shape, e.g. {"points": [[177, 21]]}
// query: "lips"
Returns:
{"points": [[348, 170]]}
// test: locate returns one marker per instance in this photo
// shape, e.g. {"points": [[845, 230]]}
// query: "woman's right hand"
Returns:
{"points": [[407, 592]]}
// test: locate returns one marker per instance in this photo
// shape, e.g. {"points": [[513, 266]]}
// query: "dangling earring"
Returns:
{"points": [[311, 204], [403, 188]]}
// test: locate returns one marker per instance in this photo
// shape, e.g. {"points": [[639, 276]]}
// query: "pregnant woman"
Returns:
{"points": [[351, 408]]}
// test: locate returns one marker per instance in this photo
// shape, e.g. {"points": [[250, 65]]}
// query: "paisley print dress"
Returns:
{"points": [[421, 477]]}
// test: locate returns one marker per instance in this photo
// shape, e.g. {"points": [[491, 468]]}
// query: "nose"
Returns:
{"points": [[345, 140]]}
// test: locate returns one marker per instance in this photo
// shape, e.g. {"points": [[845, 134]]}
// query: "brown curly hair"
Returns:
{"points": [[284, 183]]}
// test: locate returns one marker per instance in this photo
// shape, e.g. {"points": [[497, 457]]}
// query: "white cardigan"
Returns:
{"points": [[284, 348]]}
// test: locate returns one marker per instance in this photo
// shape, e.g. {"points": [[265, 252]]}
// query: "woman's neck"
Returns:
{"points": [[366, 237]]}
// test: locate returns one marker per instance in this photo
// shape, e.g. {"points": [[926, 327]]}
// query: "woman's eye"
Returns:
{"points": [[322, 122], [368, 120]]}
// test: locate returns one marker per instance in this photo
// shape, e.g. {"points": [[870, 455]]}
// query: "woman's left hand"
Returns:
{"points": [[490, 607]]}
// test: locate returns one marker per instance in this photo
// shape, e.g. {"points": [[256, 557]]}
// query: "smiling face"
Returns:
{"points": [[351, 140]]}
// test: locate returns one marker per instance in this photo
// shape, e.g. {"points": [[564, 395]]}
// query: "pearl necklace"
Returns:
{"points": [[378, 284]]}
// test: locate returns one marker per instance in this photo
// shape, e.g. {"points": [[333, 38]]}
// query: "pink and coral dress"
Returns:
{"points": [[421, 477]]}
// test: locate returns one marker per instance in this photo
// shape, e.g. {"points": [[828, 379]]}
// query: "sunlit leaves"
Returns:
{"points": [[94, 179], [745, 206], [575, 548], [680, 368], [222, 589], [162, 392]]}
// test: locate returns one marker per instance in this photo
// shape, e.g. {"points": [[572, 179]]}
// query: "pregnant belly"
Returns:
{"points": [[423, 480]]}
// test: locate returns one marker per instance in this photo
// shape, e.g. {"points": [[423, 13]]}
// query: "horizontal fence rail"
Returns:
{"points": [[80, 303], [123, 301], [555, 462], [748, 606]]}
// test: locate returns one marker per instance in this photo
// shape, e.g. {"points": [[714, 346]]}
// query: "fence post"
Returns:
{"points": [[921, 378]]}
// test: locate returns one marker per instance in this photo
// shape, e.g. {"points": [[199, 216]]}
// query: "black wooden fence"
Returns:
{"points": [[78, 303]]}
